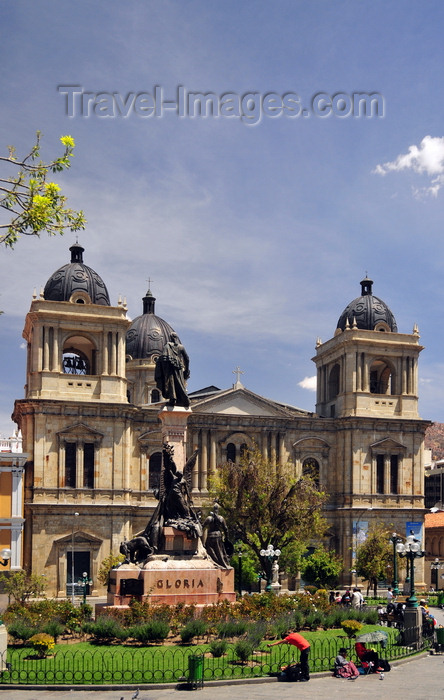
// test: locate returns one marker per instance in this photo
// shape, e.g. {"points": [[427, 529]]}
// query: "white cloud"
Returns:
{"points": [[425, 159], [308, 383]]}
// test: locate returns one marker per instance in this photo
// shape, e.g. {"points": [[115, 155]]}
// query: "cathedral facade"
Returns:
{"points": [[92, 434]]}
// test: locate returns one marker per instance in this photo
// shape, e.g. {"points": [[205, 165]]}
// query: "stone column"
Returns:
{"points": [[45, 367], [204, 462], [55, 352], [212, 454], [174, 431]]}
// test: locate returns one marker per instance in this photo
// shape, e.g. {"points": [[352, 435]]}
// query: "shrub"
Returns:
{"points": [[279, 628], [311, 589], [371, 617], [314, 620], [351, 627], [42, 643], [193, 628], [328, 622], [152, 631], [21, 629], [105, 629], [296, 620], [243, 649], [54, 629], [218, 647], [232, 628], [256, 632]]}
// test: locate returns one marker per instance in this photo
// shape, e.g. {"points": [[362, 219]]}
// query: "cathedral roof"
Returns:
{"points": [[367, 312], [148, 333], [76, 277]]}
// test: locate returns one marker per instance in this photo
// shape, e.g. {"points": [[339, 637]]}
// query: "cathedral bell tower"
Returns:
{"points": [[76, 340], [368, 368]]}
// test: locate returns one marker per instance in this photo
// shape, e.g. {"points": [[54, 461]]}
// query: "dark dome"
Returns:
{"points": [[76, 277], [368, 311], [148, 333]]}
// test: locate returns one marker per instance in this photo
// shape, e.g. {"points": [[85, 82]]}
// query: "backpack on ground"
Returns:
{"points": [[291, 673]]}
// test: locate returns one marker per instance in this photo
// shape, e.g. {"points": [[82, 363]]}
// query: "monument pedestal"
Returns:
{"points": [[3, 646], [181, 573], [174, 430], [412, 626]]}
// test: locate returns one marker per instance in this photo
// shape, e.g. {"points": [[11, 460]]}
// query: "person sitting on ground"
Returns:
{"points": [[301, 643], [345, 668], [367, 656]]}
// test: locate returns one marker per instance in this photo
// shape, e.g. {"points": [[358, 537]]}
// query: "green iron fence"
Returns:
{"points": [[169, 664]]}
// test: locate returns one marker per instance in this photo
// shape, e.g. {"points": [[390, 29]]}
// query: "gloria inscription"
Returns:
{"points": [[179, 583]]}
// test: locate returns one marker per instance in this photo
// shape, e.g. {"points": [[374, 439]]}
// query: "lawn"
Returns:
{"points": [[87, 663]]}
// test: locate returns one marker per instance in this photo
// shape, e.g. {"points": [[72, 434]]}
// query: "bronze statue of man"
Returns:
{"points": [[215, 538], [172, 371]]}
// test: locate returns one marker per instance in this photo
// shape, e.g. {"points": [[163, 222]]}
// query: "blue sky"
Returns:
{"points": [[256, 236]]}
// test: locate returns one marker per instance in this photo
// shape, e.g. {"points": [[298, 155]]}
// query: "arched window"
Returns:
{"points": [[155, 396], [79, 356], [381, 378], [155, 466], [231, 452], [310, 468], [333, 383]]}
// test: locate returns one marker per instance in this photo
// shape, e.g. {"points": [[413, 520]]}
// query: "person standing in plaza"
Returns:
{"points": [[297, 640], [357, 599], [390, 596]]}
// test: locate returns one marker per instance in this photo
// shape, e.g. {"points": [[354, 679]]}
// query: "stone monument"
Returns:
{"points": [[168, 562]]}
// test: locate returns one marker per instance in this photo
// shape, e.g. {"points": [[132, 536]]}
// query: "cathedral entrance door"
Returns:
{"points": [[81, 566]]}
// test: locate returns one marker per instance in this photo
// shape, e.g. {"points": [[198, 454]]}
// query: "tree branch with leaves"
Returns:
{"points": [[32, 202], [374, 557], [264, 504]]}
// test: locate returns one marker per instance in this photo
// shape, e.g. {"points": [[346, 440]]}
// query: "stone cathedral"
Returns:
{"points": [[92, 433]]}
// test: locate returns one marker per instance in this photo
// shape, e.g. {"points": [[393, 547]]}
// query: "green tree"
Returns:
{"points": [[22, 586], [33, 203], [111, 561], [250, 567], [322, 568], [374, 557], [263, 504]]}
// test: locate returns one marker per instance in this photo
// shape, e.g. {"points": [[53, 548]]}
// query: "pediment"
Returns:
{"points": [[150, 438], [80, 430], [80, 537], [311, 441], [387, 445], [243, 402]]}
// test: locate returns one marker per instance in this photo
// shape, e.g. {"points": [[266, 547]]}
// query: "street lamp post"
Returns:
{"points": [[411, 549], [355, 574], [270, 555], [435, 566], [72, 558], [85, 581], [395, 539], [239, 569]]}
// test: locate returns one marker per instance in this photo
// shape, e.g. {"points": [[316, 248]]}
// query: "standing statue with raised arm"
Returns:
{"points": [[172, 371]]}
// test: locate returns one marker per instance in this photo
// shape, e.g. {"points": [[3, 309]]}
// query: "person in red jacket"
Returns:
{"points": [[301, 643]]}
